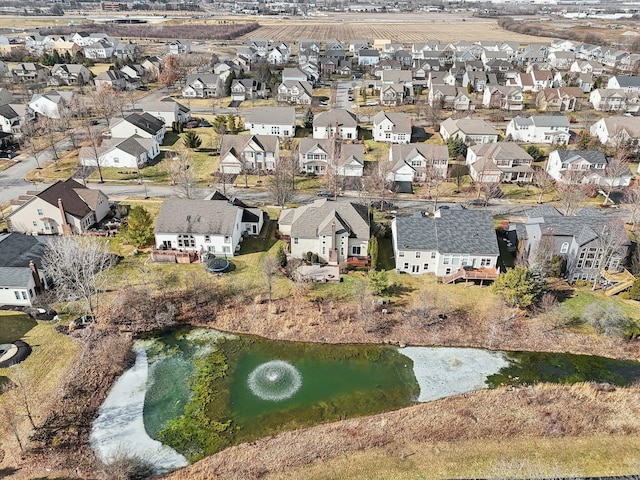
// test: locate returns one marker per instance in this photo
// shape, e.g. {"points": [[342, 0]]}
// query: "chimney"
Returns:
{"points": [[36, 276], [66, 228]]}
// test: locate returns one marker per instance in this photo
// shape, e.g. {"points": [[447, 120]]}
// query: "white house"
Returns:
{"points": [[132, 152], [239, 153], [100, 50], [469, 130], [145, 125], [392, 127], [540, 129], [628, 83], [178, 47], [21, 274], [584, 166], [167, 110], [414, 162], [617, 131], [279, 121], [614, 100], [336, 122], [317, 156], [500, 161], [334, 231], [50, 104], [204, 85], [212, 226], [453, 242]]}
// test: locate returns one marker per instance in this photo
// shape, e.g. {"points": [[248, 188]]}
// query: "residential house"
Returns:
{"points": [[334, 231], [320, 156], [585, 166], [295, 74], [279, 121], [212, 226], [100, 50], [627, 83], [417, 162], [179, 47], [578, 79], [539, 129], [279, 55], [561, 60], [614, 100], [135, 73], [133, 152], [587, 66], [612, 57], [37, 43], [152, 66], [65, 208], [449, 243], [336, 122], [260, 46], [145, 125], [367, 57], [392, 127], [51, 104], [561, 99], [69, 74], [247, 89], [30, 73], [167, 110], [129, 51], [21, 276], [13, 116], [469, 130], [242, 153], [450, 97], [111, 79], [505, 98], [440, 78], [618, 131], [499, 162], [356, 45], [203, 85], [580, 240], [84, 39], [295, 92], [533, 81], [479, 80]]}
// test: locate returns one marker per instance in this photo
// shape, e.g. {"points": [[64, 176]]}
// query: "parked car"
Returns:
{"points": [[94, 122], [383, 205], [204, 123], [143, 88], [9, 154], [325, 193]]}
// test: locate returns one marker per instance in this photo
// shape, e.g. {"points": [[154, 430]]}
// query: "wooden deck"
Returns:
{"points": [[358, 262], [620, 281], [467, 274]]}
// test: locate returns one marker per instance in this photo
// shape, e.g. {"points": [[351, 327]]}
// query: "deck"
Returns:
{"points": [[467, 274]]}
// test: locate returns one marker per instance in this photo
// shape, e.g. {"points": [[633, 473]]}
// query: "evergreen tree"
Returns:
{"points": [[191, 140], [227, 84], [372, 250], [139, 229], [281, 256], [457, 147], [535, 152], [520, 286], [307, 119], [231, 124]]}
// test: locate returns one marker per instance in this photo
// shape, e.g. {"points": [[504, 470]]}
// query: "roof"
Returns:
{"points": [[335, 116], [616, 124], [403, 152], [347, 151], [145, 122], [500, 151], [77, 199], [544, 121], [17, 249], [592, 156], [468, 126], [455, 231], [401, 121], [237, 143], [272, 115], [217, 217], [626, 81], [7, 112], [315, 219]]}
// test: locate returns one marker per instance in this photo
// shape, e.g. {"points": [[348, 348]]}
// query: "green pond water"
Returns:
{"points": [[206, 390]]}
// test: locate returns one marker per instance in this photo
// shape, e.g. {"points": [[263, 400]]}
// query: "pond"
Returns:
{"points": [[193, 392]]}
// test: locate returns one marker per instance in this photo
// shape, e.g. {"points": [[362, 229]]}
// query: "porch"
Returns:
{"points": [[174, 256], [467, 273]]}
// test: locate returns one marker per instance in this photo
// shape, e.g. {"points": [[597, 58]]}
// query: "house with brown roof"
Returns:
{"points": [[65, 208], [618, 131], [506, 98], [561, 99], [416, 162], [239, 153], [470, 130], [499, 162]]}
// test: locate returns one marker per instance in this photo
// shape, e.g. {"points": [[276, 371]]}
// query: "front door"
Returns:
{"points": [[415, 268]]}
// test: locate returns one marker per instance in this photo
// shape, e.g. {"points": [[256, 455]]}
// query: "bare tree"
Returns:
{"points": [[9, 417], [543, 181], [617, 166], [612, 239], [572, 192], [95, 140], [171, 71], [379, 181], [282, 182], [50, 128], [67, 119], [181, 175], [269, 267], [24, 388], [433, 181], [632, 198], [331, 178], [457, 172], [30, 134], [78, 265], [105, 103]]}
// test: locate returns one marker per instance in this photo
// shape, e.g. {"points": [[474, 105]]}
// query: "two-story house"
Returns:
{"points": [[506, 98], [321, 156], [539, 129], [69, 74], [618, 131], [336, 122], [469, 130], [416, 162], [278, 121], [144, 125], [561, 99], [204, 85], [247, 89], [585, 166], [392, 127], [499, 162], [241, 153], [295, 92]]}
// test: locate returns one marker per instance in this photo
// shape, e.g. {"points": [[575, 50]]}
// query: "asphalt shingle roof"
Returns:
{"points": [[310, 221], [217, 217], [456, 231]]}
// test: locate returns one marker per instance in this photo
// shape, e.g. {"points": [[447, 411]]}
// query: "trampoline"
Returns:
{"points": [[217, 265], [13, 353]]}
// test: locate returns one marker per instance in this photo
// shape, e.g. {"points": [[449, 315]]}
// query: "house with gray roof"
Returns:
{"points": [[21, 274], [588, 241], [539, 129], [51, 104], [278, 121], [319, 157], [585, 166], [392, 127], [417, 162], [69, 74], [334, 231], [64, 208], [337, 122], [499, 162], [111, 79], [618, 131], [448, 244], [203, 85], [167, 110], [212, 226], [470, 130], [244, 153], [295, 92], [145, 125], [132, 152]]}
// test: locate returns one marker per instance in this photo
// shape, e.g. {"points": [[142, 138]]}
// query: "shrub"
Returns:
{"points": [[281, 256], [314, 258], [634, 292], [309, 256], [607, 318]]}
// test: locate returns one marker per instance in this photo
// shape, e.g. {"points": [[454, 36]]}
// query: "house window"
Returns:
{"points": [[227, 239], [401, 254], [406, 266], [446, 260], [387, 136], [425, 267], [226, 249], [17, 294], [40, 212], [349, 135], [564, 248], [295, 241], [485, 262], [433, 254], [186, 241], [35, 224], [207, 239], [355, 250], [24, 295], [324, 250], [417, 254]]}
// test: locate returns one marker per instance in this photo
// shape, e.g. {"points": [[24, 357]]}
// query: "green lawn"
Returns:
{"points": [[386, 260], [14, 325], [584, 297]]}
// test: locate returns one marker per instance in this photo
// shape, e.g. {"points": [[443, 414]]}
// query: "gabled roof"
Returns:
{"points": [[17, 249], [544, 121], [111, 76], [272, 115], [500, 151], [311, 221], [217, 217], [238, 143], [77, 199], [338, 116], [615, 125], [7, 112], [455, 231], [145, 122], [593, 157], [399, 154], [468, 126], [401, 121]]}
